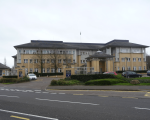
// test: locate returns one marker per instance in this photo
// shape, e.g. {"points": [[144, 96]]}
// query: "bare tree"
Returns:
{"points": [[39, 59], [67, 59]]}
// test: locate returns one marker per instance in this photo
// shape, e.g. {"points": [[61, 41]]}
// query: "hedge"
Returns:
{"points": [[45, 74], [85, 78], [14, 80], [15, 76], [137, 71], [104, 82]]}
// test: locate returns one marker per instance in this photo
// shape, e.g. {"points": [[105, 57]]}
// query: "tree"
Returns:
{"points": [[39, 59]]}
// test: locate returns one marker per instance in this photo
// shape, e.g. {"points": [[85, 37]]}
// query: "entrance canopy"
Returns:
{"points": [[100, 55]]}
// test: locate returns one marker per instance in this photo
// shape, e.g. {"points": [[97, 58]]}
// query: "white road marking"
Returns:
{"points": [[45, 92], [142, 108], [62, 93], [53, 93], [2, 89], [67, 101], [28, 114], [37, 90], [9, 96]]}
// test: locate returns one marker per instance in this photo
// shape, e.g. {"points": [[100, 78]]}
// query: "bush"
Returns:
{"points": [[13, 80], [54, 82], [45, 74], [134, 82], [15, 76], [85, 78], [104, 82]]}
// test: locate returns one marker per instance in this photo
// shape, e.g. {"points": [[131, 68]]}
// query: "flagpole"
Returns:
{"points": [[80, 36]]}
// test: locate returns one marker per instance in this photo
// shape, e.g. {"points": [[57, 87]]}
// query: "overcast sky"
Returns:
{"points": [[99, 21]]}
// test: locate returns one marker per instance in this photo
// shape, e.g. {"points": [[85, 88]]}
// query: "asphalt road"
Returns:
{"points": [[30, 101]]}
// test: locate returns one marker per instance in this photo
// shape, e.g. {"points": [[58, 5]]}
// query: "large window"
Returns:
{"points": [[30, 60], [31, 70], [52, 70], [35, 60], [123, 68], [43, 70], [129, 68], [48, 70], [25, 60], [30, 51], [48, 61], [43, 60], [26, 51], [128, 59], [134, 59], [139, 59], [134, 68], [140, 68], [59, 69], [36, 70], [123, 59], [59, 60]]}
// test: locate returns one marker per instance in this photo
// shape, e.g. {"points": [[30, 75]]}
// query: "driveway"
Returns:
{"points": [[41, 83]]}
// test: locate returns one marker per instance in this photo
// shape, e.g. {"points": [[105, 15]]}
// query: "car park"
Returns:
{"points": [[131, 74], [148, 73], [113, 73], [32, 76]]}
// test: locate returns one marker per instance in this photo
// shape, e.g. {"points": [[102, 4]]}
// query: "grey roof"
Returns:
{"points": [[2, 66], [100, 55], [81, 46], [60, 45], [122, 43]]}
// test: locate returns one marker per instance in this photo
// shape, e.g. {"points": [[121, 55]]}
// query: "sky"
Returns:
{"points": [[99, 21]]}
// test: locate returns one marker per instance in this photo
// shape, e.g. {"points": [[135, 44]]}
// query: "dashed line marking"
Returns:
{"points": [[78, 94], [37, 92], [130, 97], [62, 93], [53, 93], [9, 96], [103, 96], [142, 108], [45, 92], [19, 117], [67, 101]]}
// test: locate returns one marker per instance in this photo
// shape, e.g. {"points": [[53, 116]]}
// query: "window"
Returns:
{"points": [[34, 51], [144, 68], [43, 70], [25, 60], [59, 69], [52, 61], [123, 68], [36, 70], [69, 52], [26, 51], [134, 59], [30, 52], [48, 61], [59, 60], [52, 70], [134, 68], [140, 68], [80, 53], [30, 60], [61, 52], [64, 60], [143, 59], [43, 60], [83, 53], [31, 70], [118, 68], [123, 59], [73, 61], [26, 71], [19, 51], [81, 61], [35, 60], [139, 59], [118, 59], [129, 68], [48, 70], [44, 51], [128, 59], [19, 60], [73, 52]]}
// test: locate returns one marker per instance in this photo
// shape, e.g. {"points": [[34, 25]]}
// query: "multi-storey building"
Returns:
{"points": [[96, 57]]}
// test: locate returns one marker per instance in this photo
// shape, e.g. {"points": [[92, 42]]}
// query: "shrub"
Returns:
{"points": [[134, 82], [104, 82], [13, 80], [85, 78], [54, 82], [45, 74], [15, 76]]}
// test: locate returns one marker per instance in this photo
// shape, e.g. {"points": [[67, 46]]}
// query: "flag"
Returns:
{"points": [[80, 33]]}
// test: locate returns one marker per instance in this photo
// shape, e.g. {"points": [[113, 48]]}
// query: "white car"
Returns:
{"points": [[32, 76]]}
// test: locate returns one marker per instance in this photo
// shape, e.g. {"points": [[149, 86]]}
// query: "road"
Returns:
{"points": [[29, 101]]}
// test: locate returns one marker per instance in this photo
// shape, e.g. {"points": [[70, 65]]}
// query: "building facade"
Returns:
{"points": [[115, 55]]}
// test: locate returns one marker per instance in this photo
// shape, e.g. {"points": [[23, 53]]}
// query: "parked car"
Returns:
{"points": [[32, 76], [131, 74], [148, 73], [114, 73], [123, 73]]}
